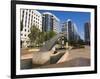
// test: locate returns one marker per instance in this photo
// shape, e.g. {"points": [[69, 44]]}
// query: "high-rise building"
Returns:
{"points": [[70, 29], [87, 32], [75, 31], [29, 17], [50, 22]]}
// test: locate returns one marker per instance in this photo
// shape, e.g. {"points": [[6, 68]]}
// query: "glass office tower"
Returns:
{"points": [[50, 22]]}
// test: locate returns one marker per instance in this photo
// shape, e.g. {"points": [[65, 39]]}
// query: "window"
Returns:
{"points": [[25, 30], [23, 16], [34, 20], [29, 18], [25, 34], [26, 18], [27, 42], [28, 30]]}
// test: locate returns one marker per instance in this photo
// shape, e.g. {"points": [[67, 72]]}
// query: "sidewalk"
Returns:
{"points": [[76, 58]]}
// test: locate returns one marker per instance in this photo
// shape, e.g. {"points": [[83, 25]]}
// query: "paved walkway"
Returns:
{"points": [[76, 57], [79, 53]]}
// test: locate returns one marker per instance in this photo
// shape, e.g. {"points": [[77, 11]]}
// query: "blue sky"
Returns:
{"points": [[79, 18]]}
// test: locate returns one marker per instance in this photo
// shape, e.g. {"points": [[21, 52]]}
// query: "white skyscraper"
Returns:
{"points": [[29, 17]]}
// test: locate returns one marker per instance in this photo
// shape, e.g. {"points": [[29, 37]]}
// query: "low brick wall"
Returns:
{"points": [[26, 63]]}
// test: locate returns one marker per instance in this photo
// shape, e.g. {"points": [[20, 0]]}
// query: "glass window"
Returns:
{"points": [[25, 30]]}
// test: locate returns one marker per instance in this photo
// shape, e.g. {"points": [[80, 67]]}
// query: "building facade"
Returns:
{"points": [[50, 22], [29, 17], [87, 32], [70, 29]]}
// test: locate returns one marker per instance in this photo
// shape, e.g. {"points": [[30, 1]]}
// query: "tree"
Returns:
{"points": [[49, 35], [38, 37], [41, 37], [81, 42], [34, 35]]}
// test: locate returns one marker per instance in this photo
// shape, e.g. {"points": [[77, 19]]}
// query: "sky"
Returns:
{"points": [[79, 18]]}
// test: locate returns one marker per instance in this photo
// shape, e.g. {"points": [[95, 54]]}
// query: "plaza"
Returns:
{"points": [[75, 58], [46, 42]]}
